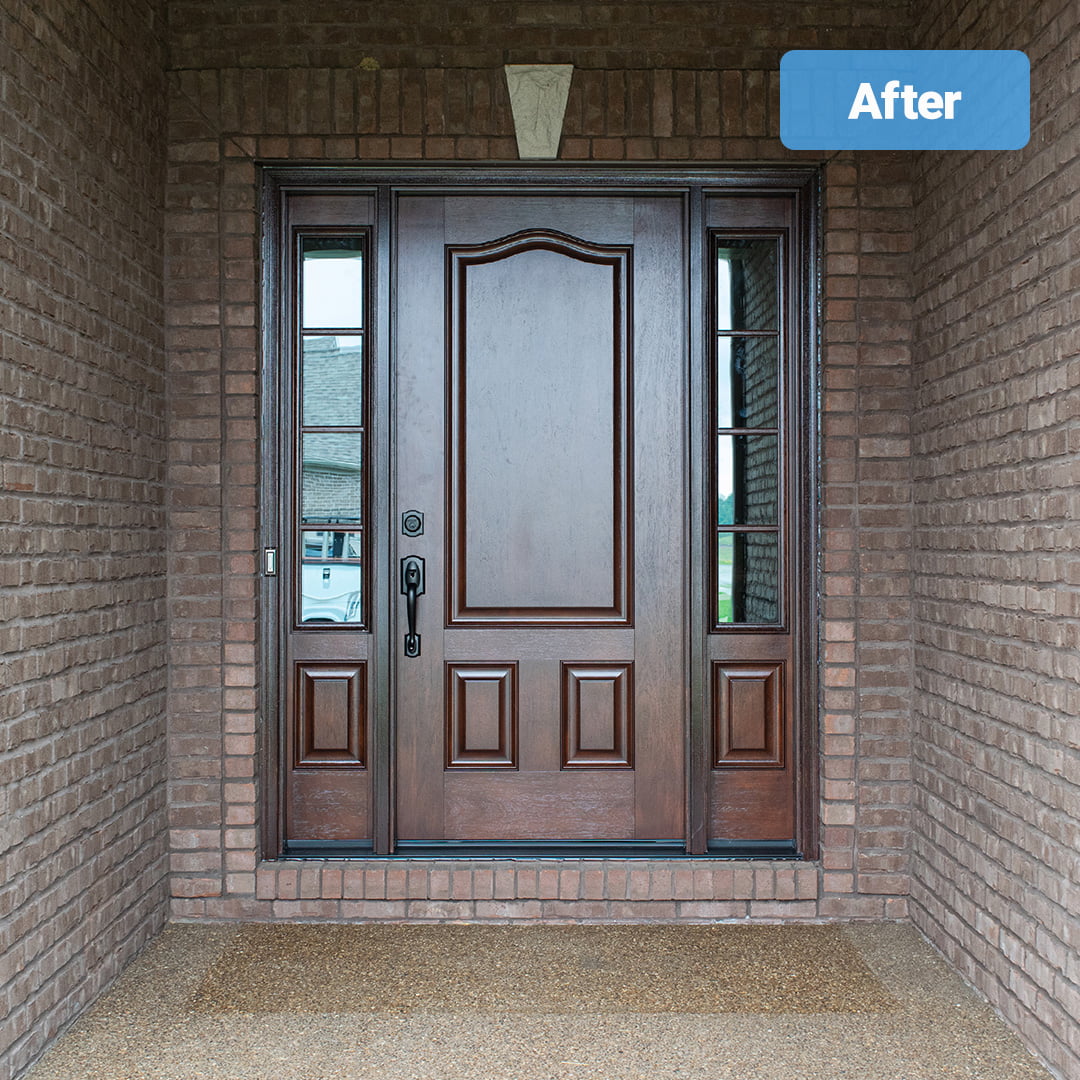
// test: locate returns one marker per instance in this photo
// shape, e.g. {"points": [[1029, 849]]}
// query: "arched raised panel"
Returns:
{"points": [[539, 432]]}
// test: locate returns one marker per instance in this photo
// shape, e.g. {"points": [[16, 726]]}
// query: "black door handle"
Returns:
{"points": [[412, 585]]}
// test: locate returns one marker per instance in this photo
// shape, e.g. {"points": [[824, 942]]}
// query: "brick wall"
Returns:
{"points": [[994, 451], [997, 472], [623, 39], [82, 683], [277, 81]]}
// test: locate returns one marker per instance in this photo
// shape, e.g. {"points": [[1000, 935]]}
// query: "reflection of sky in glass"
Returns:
{"points": [[723, 382], [723, 294], [725, 468], [333, 290], [724, 576], [724, 465]]}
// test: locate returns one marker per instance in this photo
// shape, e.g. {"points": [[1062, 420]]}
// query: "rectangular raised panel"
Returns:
{"points": [[330, 715], [748, 714], [539, 432], [481, 716], [597, 716]]}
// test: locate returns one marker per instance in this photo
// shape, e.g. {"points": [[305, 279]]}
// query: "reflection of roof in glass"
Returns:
{"points": [[333, 387]]}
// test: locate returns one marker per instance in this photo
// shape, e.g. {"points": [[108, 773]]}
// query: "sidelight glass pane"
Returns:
{"points": [[747, 388], [333, 381], [331, 576], [747, 288], [331, 478], [747, 477], [332, 281], [747, 578]]}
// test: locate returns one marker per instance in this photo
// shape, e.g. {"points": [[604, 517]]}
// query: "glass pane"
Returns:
{"points": [[331, 573], [333, 380], [746, 285], [332, 282], [331, 480], [746, 382], [746, 480], [748, 578]]}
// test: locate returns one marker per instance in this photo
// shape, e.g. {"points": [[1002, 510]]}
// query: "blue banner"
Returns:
{"points": [[896, 99]]}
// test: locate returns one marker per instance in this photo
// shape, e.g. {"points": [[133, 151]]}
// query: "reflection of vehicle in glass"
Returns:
{"points": [[330, 577]]}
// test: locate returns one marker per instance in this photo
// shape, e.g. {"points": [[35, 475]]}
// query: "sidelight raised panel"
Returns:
{"points": [[748, 712], [330, 715], [539, 432], [481, 716], [597, 716]]}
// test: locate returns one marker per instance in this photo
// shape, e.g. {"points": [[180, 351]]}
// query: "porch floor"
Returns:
{"points": [[484, 1002]]}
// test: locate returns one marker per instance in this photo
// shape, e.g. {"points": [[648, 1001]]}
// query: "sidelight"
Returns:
{"points": [[331, 431], [748, 389], [748, 572]]}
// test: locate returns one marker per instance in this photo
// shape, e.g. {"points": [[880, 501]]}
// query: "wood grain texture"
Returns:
{"points": [[325, 684], [748, 715], [542, 403], [330, 714], [539, 564], [539, 486], [481, 716], [541, 806], [755, 776], [598, 716]]}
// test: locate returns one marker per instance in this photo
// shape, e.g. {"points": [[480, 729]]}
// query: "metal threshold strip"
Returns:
{"points": [[542, 849]]}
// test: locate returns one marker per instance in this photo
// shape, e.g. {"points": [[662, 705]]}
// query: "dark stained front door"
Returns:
{"points": [[540, 347]]}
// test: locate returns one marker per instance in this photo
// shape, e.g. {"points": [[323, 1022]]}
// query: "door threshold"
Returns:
{"points": [[541, 849]]}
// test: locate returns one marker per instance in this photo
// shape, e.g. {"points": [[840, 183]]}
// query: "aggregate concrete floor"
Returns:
{"points": [[394, 1002]]}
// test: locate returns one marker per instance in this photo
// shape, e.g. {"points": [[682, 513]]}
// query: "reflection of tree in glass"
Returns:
{"points": [[725, 611]]}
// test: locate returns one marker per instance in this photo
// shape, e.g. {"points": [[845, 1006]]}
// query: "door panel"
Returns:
{"points": [[540, 431], [481, 716], [538, 487], [597, 716]]}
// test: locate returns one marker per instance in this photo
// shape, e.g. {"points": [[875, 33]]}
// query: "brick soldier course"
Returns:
{"points": [[130, 325]]}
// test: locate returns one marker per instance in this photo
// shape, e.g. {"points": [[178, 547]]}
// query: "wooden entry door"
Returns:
{"points": [[540, 347]]}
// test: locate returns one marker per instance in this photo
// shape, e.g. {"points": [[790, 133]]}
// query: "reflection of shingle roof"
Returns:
{"points": [[333, 382]]}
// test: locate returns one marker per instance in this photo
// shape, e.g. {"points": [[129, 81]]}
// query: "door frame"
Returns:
{"points": [[384, 182]]}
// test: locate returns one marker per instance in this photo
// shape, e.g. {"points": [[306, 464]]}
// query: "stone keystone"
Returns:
{"points": [[538, 95]]}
